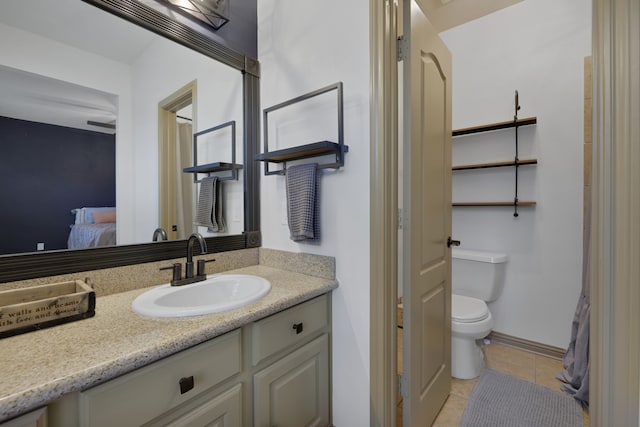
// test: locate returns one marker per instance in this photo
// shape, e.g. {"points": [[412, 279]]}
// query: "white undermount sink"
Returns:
{"points": [[220, 292]]}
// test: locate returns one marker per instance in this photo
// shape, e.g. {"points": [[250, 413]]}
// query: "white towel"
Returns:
{"points": [[303, 202]]}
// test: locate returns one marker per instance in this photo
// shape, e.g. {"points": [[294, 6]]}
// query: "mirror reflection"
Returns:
{"points": [[113, 123]]}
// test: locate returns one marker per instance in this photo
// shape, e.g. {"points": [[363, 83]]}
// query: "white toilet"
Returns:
{"points": [[477, 278]]}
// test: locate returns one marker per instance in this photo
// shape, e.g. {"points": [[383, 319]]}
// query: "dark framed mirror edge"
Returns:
{"points": [[157, 22], [30, 266], [41, 264]]}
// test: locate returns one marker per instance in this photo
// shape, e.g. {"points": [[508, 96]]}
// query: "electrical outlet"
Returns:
{"points": [[40, 246]]}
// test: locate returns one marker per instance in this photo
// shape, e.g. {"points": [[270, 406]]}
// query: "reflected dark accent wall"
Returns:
{"points": [[45, 171]]}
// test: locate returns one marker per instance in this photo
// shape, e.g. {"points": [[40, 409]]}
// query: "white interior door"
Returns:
{"points": [[427, 225]]}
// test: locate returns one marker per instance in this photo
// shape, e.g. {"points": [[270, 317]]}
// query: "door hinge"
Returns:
{"points": [[400, 219], [402, 386], [403, 48]]}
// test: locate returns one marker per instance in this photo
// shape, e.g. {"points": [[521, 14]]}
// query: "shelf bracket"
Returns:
{"points": [[217, 166], [516, 161]]}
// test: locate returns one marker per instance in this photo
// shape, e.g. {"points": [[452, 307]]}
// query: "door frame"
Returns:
{"points": [[615, 353], [167, 175], [385, 17], [615, 249], [384, 211]]}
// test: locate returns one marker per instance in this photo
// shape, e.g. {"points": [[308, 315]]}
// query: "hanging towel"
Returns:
{"points": [[303, 202], [218, 217], [205, 213]]}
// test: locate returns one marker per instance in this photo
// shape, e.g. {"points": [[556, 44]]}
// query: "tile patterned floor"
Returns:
{"points": [[518, 363]]}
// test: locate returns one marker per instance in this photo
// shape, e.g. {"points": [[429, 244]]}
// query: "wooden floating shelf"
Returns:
{"points": [[495, 164], [212, 167], [472, 204], [495, 126], [302, 152]]}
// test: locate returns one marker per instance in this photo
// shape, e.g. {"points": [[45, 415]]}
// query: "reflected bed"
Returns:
{"points": [[93, 227]]}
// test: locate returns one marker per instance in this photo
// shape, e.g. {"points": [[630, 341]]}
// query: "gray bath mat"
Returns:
{"points": [[500, 400]]}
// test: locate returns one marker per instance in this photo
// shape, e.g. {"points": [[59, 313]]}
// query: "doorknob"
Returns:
{"points": [[452, 242]]}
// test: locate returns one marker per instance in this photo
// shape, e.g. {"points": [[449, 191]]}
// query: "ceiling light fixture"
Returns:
{"points": [[211, 12]]}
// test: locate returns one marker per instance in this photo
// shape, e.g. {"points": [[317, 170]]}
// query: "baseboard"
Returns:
{"points": [[510, 340], [526, 345]]}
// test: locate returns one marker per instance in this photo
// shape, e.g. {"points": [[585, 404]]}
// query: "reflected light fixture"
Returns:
{"points": [[211, 12]]}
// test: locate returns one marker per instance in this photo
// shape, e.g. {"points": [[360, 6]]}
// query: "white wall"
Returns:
{"points": [[32, 53], [536, 47], [303, 46], [218, 100]]}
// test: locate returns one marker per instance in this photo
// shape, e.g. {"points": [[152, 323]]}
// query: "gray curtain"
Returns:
{"points": [[575, 374]]}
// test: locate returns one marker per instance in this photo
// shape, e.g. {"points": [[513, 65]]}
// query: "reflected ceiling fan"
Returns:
{"points": [[107, 125]]}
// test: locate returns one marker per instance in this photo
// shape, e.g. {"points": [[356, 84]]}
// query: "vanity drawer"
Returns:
{"points": [[288, 328], [142, 395]]}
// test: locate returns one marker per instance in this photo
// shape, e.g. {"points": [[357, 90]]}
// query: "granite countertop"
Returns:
{"points": [[39, 367]]}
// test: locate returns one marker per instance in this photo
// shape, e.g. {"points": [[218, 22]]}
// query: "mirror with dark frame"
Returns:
{"points": [[140, 97]]}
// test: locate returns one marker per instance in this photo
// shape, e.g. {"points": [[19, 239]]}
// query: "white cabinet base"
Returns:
{"points": [[272, 372], [37, 418], [294, 391], [225, 410]]}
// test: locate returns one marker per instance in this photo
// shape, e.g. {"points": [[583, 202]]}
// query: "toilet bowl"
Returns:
{"points": [[477, 278], [470, 321]]}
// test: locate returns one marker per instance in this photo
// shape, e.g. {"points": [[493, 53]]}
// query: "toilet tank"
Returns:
{"points": [[477, 274]]}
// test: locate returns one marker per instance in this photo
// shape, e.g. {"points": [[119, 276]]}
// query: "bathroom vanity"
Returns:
{"points": [[267, 363]]}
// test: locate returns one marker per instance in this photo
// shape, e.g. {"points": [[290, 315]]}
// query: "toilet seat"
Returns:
{"points": [[467, 309]]}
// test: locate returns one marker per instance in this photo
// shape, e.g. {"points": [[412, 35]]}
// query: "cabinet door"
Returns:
{"points": [[37, 418], [294, 391], [225, 410]]}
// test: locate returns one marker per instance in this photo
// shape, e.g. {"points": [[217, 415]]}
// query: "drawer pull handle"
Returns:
{"points": [[186, 384], [298, 327]]}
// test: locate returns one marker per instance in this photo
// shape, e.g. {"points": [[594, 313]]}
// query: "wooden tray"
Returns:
{"points": [[38, 307]]}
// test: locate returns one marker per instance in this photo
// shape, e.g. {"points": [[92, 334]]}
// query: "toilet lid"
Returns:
{"points": [[467, 309]]}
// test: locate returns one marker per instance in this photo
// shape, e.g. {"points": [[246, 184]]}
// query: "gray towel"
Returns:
{"points": [[217, 206], [303, 202], [205, 213]]}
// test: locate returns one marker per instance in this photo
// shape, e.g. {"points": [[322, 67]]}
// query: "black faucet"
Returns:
{"points": [[189, 277], [159, 232], [188, 274]]}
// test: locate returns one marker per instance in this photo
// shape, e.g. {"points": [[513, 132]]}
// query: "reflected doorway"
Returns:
{"points": [[175, 134]]}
